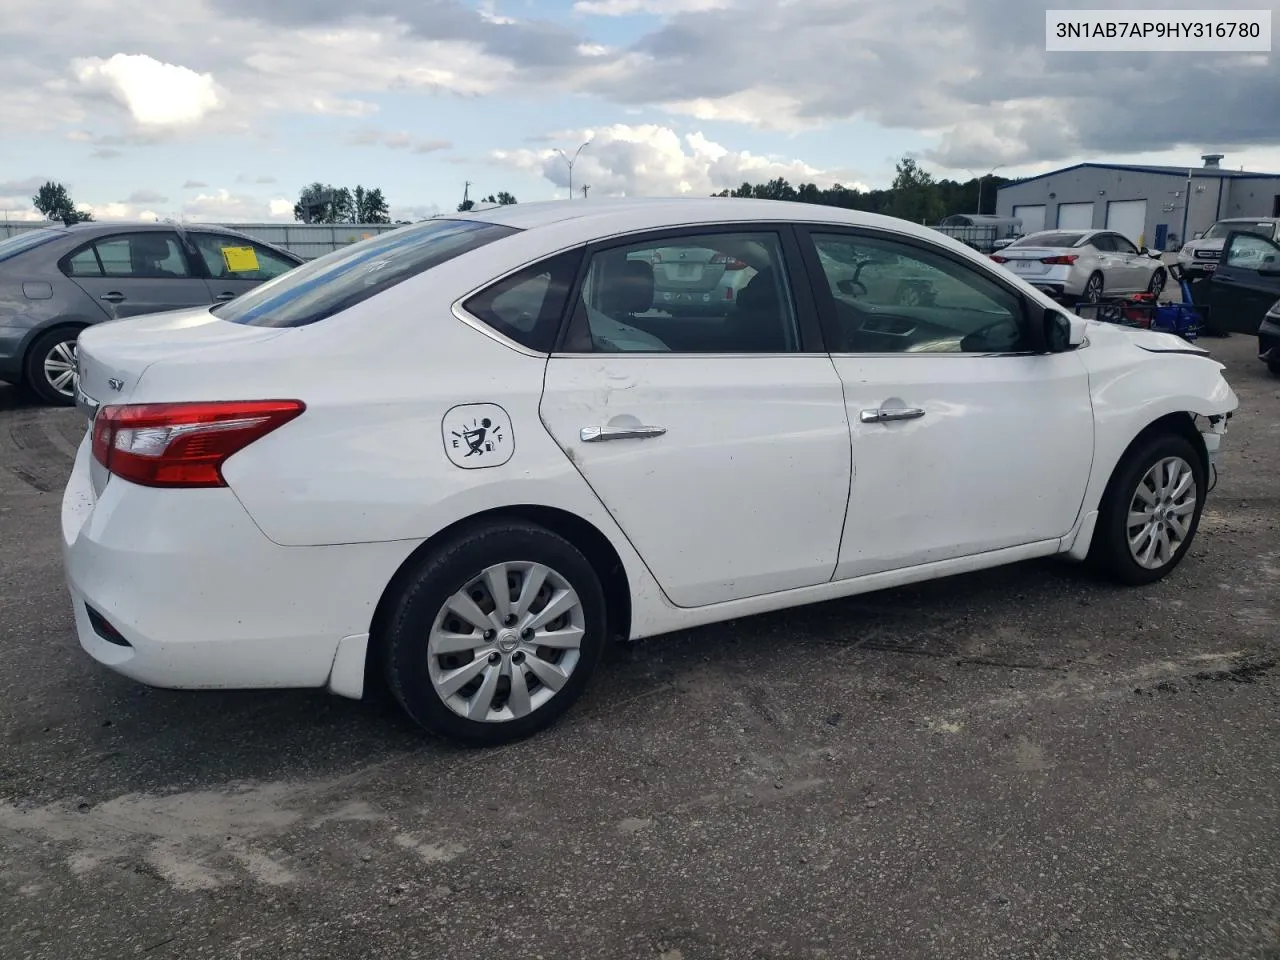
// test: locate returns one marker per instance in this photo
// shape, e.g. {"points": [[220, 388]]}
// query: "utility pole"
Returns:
{"points": [[571, 162], [585, 188], [980, 180]]}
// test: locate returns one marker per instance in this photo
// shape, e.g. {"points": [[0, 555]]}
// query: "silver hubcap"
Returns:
{"points": [[60, 368], [1094, 289], [1160, 512], [506, 643]]}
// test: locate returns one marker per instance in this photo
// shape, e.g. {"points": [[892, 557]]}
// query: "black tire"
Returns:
{"points": [[1274, 367], [447, 571], [34, 377], [1094, 284], [1156, 286], [1109, 553]]}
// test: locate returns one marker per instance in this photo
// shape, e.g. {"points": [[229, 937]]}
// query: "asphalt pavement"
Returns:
{"points": [[1018, 763]]}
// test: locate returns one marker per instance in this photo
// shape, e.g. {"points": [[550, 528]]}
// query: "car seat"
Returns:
{"points": [[759, 317], [148, 252], [627, 289]]}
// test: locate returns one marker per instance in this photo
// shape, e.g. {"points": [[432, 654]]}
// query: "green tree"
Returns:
{"points": [[55, 203], [502, 197], [915, 194], [466, 205], [370, 206]]}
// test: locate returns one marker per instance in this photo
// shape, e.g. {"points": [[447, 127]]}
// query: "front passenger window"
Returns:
{"points": [[891, 296], [1251, 252]]}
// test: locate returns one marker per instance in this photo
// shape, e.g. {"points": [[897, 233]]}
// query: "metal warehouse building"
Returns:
{"points": [[1147, 204]]}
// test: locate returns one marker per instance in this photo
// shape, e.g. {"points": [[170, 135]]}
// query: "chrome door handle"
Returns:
{"points": [[224, 297], [600, 434], [112, 297], [881, 415]]}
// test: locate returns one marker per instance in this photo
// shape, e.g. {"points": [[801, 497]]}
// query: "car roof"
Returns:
{"points": [[602, 218]]}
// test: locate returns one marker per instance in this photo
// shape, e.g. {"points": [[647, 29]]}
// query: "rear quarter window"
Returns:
{"points": [[345, 277], [528, 305]]}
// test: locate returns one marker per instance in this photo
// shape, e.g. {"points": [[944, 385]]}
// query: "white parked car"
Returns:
{"points": [[1083, 264], [464, 455]]}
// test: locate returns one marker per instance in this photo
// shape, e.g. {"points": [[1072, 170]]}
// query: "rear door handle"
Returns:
{"points": [[881, 415], [600, 434], [224, 297], [113, 296]]}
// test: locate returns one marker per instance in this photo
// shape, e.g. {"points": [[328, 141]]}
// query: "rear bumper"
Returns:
{"points": [[180, 589]]}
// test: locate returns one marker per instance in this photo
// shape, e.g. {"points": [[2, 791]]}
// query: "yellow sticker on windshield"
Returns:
{"points": [[240, 259]]}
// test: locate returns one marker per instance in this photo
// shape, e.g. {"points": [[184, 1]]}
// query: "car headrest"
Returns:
{"points": [[628, 288], [150, 246], [760, 293]]}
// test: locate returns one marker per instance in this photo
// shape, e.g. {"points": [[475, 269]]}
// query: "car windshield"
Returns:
{"points": [[1220, 230], [19, 242], [1048, 240], [345, 277]]}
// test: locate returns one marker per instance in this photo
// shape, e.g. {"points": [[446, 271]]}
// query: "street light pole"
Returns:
{"points": [[571, 162], [980, 181]]}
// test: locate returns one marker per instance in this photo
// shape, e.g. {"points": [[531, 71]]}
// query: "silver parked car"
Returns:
{"points": [[1083, 264], [57, 280], [1200, 257]]}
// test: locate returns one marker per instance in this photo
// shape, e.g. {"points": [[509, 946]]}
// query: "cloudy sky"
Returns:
{"points": [[224, 109]]}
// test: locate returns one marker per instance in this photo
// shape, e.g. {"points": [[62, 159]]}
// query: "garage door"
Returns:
{"points": [[1075, 216], [1032, 217], [1128, 218]]}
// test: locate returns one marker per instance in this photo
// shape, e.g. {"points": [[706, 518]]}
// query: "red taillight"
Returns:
{"points": [[183, 444], [1066, 258], [730, 263], [999, 259]]}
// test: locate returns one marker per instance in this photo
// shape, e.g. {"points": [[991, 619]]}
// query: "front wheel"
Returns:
{"points": [[1156, 286], [50, 368], [1093, 288], [1274, 367], [495, 635], [1150, 512]]}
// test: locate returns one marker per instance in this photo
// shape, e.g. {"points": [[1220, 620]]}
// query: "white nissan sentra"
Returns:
{"points": [[463, 455]]}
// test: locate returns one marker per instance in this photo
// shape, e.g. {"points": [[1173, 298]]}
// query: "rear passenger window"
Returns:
{"points": [[528, 305]]}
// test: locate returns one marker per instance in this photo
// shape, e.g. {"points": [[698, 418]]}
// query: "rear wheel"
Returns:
{"points": [[496, 634], [50, 368], [1151, 511]]}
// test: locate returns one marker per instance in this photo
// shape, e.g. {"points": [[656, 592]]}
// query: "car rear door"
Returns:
{"points": [[236, 265], [136, 272], [723, 454], [966, 440], [1246, 283]]}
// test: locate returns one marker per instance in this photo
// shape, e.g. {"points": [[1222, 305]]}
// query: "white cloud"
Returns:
{"points": [[658, 8], [227, 207], [145, 196], [155, 93], [18, 208], [653, 160], [118, 210]]}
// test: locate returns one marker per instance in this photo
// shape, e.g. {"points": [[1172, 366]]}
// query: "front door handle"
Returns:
{"points": [[224, 297], [600, 434], [882, 415], [114, 296]]}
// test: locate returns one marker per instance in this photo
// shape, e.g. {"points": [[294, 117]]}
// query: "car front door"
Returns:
{"points": [[134, 273], [236, 265], [1137, 269], [965, 439], [1246, 284], [718, 442]]}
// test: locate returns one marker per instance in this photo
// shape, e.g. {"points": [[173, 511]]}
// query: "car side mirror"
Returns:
{"points": [[1197, 235], [1062, 332]]}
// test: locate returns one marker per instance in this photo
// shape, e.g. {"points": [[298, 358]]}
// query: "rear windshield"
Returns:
{"points": [[345, 277], [1049, 240], [25, 240], [1221, 229]]}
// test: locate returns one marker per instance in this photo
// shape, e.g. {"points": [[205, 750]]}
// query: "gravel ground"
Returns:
{"points": [[1017, 763]]}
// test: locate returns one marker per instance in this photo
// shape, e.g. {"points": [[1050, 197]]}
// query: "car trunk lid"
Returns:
{"points": [[113, 357]]}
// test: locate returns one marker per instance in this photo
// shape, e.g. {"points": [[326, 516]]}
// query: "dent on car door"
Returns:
{"points": [[965, 439], [1246, 284], [718, 442], [137, 273], [236, 265]]}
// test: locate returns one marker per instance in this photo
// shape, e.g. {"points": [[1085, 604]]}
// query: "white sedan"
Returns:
{"points": [[460, 457], [1084, 264]]}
